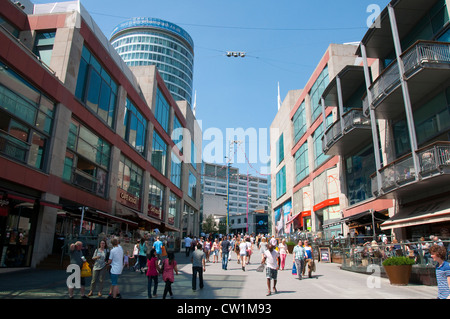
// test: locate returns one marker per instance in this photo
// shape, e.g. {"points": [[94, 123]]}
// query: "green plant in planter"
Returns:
{"points": [[398, 261]]}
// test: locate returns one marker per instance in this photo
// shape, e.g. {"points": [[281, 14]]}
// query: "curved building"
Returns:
{"points": [[151, 41]]}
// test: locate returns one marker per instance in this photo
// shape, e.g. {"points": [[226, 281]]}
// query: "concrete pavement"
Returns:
{"points": [[328, 282]]}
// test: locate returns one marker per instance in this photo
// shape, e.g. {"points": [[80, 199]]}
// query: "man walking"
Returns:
{"points": [[299, 258], [187, 245], [198, 267], [226, 247], [116, 262], [271, 256]]}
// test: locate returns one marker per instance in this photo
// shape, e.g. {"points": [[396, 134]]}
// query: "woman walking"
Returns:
{"points": [[243, 253], [100, 268], [169, 266], [282, 249], [152, 273]]}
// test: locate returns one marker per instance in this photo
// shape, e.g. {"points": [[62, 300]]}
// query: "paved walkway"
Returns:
{"points": [[328, 282]]}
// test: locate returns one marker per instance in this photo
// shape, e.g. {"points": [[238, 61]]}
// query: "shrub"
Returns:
{"points": [[398, 261]]}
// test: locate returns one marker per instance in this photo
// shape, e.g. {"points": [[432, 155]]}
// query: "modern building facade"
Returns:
{"points": [[407, 100], [306, 182], [151, 41], [238, 197], [385, 138], [87, 144]]}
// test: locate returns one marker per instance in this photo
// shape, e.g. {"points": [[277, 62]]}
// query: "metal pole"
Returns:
{"points": [[228, 199], [247, 205], [82, 217]]}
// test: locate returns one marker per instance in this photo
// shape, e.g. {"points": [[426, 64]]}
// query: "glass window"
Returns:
{"points": [[130, 176], [175, 170], [280, 149], [319, 156], [301, 163], [177, 133], [193, 154], [192, 190], [316, 92], [159, 153], [135, 127], [95, 87], [87, 159], [156, 198], [26, 120], [162, 110], [174, 209], [43, 45], [281, 182], [359, 167], [299, 121]]}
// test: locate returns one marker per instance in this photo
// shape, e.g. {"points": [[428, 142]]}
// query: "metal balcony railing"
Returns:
{"points": [[432, 158], [413, 59], [425, 52], [351, 119]]}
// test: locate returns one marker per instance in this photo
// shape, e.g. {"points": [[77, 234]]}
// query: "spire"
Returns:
{"points": [[195, 102], [279, 99]]}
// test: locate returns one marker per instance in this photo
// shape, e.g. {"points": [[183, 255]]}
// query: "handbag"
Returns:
{"points": [[86, 270], [260, 268]]}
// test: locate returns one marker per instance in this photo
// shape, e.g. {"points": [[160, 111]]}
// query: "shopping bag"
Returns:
{"points": [[163, 251], [86, 270], [294, 269], [260, 268]]}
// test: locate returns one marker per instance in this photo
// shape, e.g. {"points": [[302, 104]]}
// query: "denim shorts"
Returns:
{"points": [[271, 273], [114, 279]]}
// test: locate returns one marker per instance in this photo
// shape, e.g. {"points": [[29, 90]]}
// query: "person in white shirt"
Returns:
{"points": [[187, 245], [243, 253], [271, 256], [116, 263]]}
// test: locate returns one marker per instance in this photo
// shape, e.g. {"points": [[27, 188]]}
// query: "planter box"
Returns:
{"points": [[399, 275]]}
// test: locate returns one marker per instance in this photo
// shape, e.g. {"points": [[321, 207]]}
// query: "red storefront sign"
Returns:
{"points": [[326, 203]]}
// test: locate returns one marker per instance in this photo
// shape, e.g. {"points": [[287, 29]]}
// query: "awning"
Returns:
{"points": [[116, 218], [365, 218], [430, 212]]}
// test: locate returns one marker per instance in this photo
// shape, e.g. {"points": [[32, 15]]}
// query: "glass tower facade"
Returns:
{"points": [[150, 41]]}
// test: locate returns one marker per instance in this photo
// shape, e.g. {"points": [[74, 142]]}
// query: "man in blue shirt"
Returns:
{"points": [[157, 245], [226, 247], [439, 254]]}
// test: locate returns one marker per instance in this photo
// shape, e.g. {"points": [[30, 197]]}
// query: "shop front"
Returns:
{"points": [[18, 220], [428, 218]]}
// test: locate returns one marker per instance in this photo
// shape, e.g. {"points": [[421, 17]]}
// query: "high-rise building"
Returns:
{"points": [[151, 41], [247, 197]]}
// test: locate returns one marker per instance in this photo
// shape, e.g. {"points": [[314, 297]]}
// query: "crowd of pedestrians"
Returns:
{"points": [[152, 259]]}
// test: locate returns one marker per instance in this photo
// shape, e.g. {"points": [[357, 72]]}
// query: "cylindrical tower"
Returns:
{"points": [[144, 41]]}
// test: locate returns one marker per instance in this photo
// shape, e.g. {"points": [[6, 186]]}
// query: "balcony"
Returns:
{"points": [[356, 130], [399, 177], [427, 66]]}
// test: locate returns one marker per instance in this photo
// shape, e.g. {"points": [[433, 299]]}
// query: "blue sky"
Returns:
{"points": [[284, 40]]}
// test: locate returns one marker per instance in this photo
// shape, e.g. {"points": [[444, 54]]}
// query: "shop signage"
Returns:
{"points": [[326, 203], [154, 211], [325, 254], [127, 199]]}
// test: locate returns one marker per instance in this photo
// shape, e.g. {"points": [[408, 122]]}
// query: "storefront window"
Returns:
{"points": [[17, 228]]}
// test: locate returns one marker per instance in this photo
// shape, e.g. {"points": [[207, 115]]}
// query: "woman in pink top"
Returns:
{"points": [[152, 273], [169, 266]]}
